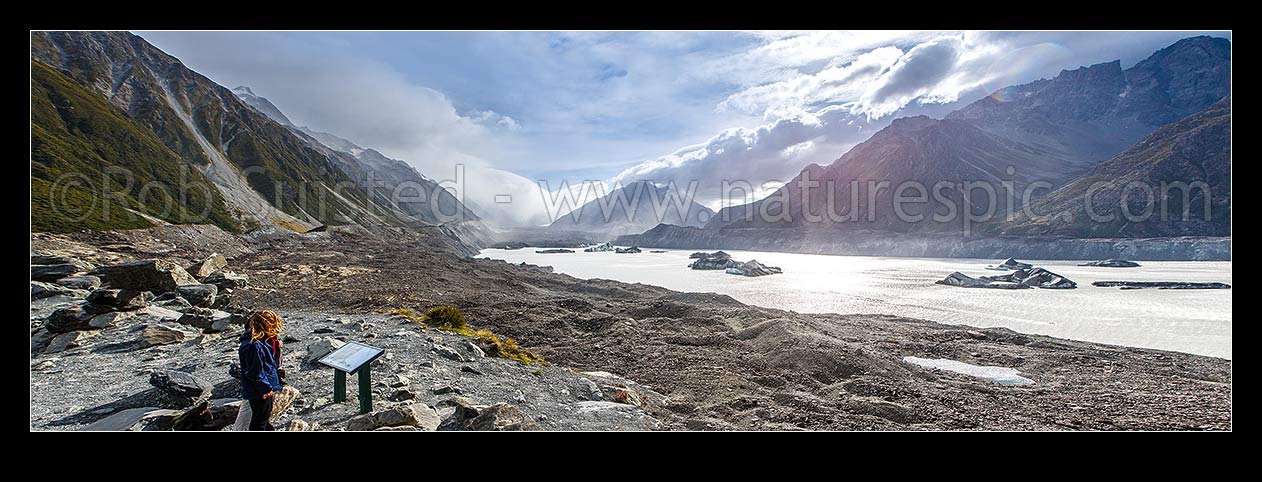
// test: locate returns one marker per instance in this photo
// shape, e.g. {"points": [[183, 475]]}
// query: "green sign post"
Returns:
{"points": [[353, 357]]}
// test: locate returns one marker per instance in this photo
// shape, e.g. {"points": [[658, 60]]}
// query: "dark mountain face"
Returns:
{"points": [[1092, 113], [917, 153], [1185, 165], [391, 182], [634, 208], [1039, 135], [78, 142], [265, 173]]}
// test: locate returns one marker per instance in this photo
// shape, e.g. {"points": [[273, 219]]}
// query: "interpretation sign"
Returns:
{"points": [[351, 358]]}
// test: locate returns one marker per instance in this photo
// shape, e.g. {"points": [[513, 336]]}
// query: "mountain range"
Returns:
{"points": [[1052, 131], [109, 103], [112, 115]]}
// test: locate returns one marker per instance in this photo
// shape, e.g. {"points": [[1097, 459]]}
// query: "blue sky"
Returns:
{"points": [[520, 107]]}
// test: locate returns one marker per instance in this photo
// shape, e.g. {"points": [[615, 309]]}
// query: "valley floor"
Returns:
{"points": [[719, 363]]}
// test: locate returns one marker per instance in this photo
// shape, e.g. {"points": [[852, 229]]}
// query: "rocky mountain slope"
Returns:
{"points": [[633, 208], [265, 173], [1196, 149], [78, 141], [716, 363], [1050, 130], [422, 199]]}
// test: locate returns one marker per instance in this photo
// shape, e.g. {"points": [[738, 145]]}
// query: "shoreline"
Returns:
{"points": [[861, 294], [867, 243]]}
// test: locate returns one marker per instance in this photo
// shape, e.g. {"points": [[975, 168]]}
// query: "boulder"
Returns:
{"points": [[297, 425], [157, 314], [41, 338], [202, 295], [283, 400], [85, 282], [465, 409], [145, 274], [614, 416], [122, 420], [399, 381], [106, 320], [319, 347], [66, 341], [1112, 263], [180, 385], [449, 354], [631, 250], [50, 259], [103, 300], [41, 290], [501, 417], [162, 334], [418, 415], [472, 350], [65, 320], [208, 266], [227, 280], [401, 395], [176, 303], [210, 321], [53, 272]]}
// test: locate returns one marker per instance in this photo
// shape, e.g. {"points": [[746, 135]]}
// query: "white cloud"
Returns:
{"points": [[491, 118], [774, 152]]}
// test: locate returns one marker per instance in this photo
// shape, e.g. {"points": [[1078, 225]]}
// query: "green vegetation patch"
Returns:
{"points": [[449, 318]]}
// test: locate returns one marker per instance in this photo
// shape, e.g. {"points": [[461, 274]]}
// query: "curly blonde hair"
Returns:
{"points": [[264, 324]]}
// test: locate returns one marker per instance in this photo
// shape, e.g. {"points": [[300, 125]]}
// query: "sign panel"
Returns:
{"points": [[351, 356]]}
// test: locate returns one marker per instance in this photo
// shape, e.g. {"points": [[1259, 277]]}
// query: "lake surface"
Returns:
{"points": [[1192, 321]]}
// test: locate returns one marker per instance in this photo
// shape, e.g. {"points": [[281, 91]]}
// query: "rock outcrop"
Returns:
{"points": [[145, 274], [207, 266], [53, 272]]}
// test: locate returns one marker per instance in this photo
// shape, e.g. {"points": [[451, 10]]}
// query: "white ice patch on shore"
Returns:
{"points": [[1000, 375]]}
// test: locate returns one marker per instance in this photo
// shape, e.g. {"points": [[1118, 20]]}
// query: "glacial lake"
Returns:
{"points": [[1191, 321]]}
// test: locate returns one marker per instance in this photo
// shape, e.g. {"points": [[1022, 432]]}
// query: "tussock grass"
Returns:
{"points": [[449, 318]]}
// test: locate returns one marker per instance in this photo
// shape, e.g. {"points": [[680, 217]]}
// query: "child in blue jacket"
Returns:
{"points": [[260, 360]]}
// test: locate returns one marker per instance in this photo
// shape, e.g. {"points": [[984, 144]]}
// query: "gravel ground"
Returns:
{"points": [[720, 364]]}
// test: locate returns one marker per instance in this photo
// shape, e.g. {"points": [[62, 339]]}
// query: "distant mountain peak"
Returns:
{"points": [[261, 104]]}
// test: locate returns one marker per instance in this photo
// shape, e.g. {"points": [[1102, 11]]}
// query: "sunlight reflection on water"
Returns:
{"points": [[1193, 321]]}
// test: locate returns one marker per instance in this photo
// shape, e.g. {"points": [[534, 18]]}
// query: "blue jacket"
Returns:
{"points": [[258, 369]]}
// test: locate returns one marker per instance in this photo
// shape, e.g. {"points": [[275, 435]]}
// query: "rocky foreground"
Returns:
{"points": [[623, 356]]}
